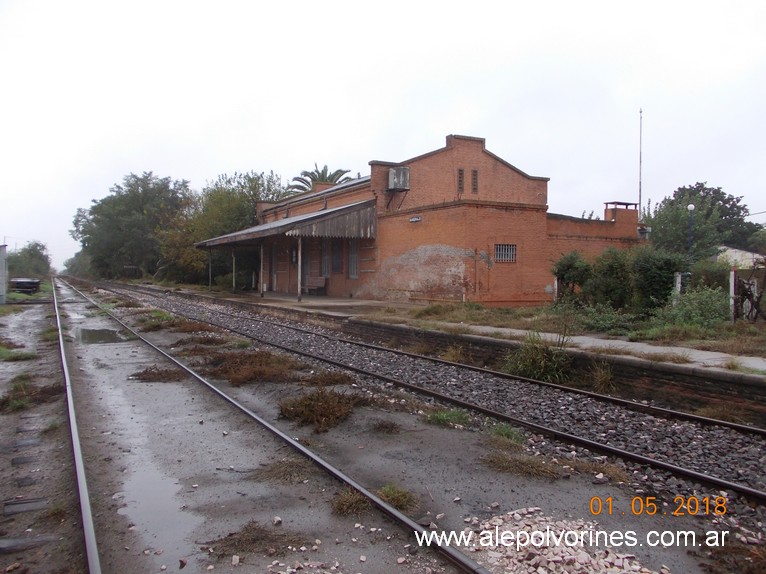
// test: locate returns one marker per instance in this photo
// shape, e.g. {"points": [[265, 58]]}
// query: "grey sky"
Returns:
{"points": [[94, 90]]}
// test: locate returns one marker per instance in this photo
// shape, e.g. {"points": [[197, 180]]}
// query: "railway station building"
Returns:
{"points": [[454, 224]]}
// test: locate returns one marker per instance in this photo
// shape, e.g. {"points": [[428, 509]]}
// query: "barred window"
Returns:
{"points": [[505, 252], [474, 181], [460, 180]]}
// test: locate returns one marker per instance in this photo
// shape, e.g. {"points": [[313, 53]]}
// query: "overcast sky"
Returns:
{"points": [[91, 91]]}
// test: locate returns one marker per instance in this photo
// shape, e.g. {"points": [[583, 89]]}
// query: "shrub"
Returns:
{"points": [[612, 279], [448, 418], [699, 307], [538, 359], [601, 318], [653, 275]]}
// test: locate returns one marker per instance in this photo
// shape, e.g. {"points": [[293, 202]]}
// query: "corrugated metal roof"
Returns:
{"points": [[356, 220]]}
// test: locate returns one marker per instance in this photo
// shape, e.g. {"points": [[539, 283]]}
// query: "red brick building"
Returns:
{"points": [[455, 224]]}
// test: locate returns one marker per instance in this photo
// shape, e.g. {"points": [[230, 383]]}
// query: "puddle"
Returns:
{"points": [[98, 336], [151, 503]]}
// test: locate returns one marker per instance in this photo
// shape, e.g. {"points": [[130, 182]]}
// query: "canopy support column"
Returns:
{"points": [[233, 271], [300, 266], [260, 277], [209, 269]]}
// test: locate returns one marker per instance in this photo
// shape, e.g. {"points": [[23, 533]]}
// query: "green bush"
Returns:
{"points": [[538, 359], [699, 307], [602, 318], [653, 276], [711, 274], [612, 280]]}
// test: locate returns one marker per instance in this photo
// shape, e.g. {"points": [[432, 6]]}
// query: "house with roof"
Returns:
{"points": [[455, 224]]}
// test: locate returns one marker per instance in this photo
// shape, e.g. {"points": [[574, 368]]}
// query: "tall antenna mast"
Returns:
{"points": [[640, 158]]}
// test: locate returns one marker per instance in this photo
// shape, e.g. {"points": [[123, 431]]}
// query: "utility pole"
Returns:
{"points": [[640, 156]]}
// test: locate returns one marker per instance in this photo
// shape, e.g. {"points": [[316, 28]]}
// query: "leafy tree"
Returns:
{"points": [[718, 219], [673, 225], [79, 265], [120, 231], [307, 179], [572, 272], [757, 241], [225, 205], [612, 280], [32, 260]]}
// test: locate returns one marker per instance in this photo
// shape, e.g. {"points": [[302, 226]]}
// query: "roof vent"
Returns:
{"points": [[399, 179]]}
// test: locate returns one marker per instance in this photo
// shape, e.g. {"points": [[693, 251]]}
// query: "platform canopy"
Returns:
{"points": [[356, 220]]}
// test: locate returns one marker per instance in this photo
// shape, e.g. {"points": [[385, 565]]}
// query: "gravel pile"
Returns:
{"points": [[526, 541], [712, 450]]}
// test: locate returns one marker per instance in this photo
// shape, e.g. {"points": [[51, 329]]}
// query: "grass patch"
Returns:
{"points": [[289, 470], [10, 309], [323, 408], [156, 320], [508, 432], [539, 359], [10, 355], [668, 357], [8, 344], [738, 557], [421, 348], [448, 418], [350, 502], [601, 377], [329, 379], [253, 539], [23, 394], [248, 367], [154, 374], [398, 497], [520, 464], [51, 427], [455, 354], [210, 340], [614, 472], [724, 412], [50, 334], [57, 512]]}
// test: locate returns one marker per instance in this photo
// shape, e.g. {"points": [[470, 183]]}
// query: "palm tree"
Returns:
{"points": [[307, 179]]}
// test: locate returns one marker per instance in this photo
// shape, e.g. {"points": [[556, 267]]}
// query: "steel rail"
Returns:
{"points": [[628, 404], [452, 554], [89, 531], [560, 435]]}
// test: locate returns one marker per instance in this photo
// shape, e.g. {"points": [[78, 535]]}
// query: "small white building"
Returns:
{"points": [[740, 258]]}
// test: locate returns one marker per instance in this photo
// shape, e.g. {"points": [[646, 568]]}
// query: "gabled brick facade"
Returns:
{"points": [[470, 227]]}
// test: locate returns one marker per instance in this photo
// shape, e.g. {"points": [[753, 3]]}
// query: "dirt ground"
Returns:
{"points": [[36, 461], [177, 478]]}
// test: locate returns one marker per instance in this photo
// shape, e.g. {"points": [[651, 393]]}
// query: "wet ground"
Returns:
{"points": [[171, 470]]}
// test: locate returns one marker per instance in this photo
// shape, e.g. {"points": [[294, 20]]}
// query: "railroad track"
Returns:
{"points": [[303, 343], [452, 555]]}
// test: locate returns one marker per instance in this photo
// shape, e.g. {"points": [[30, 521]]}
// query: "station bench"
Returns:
{"points": [[315, 284]]}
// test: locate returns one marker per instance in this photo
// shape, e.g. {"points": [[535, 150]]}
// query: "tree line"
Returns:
{"points": [[148, 225]]}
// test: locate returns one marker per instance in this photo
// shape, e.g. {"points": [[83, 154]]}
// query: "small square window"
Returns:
{"points": [[505, 252]]}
